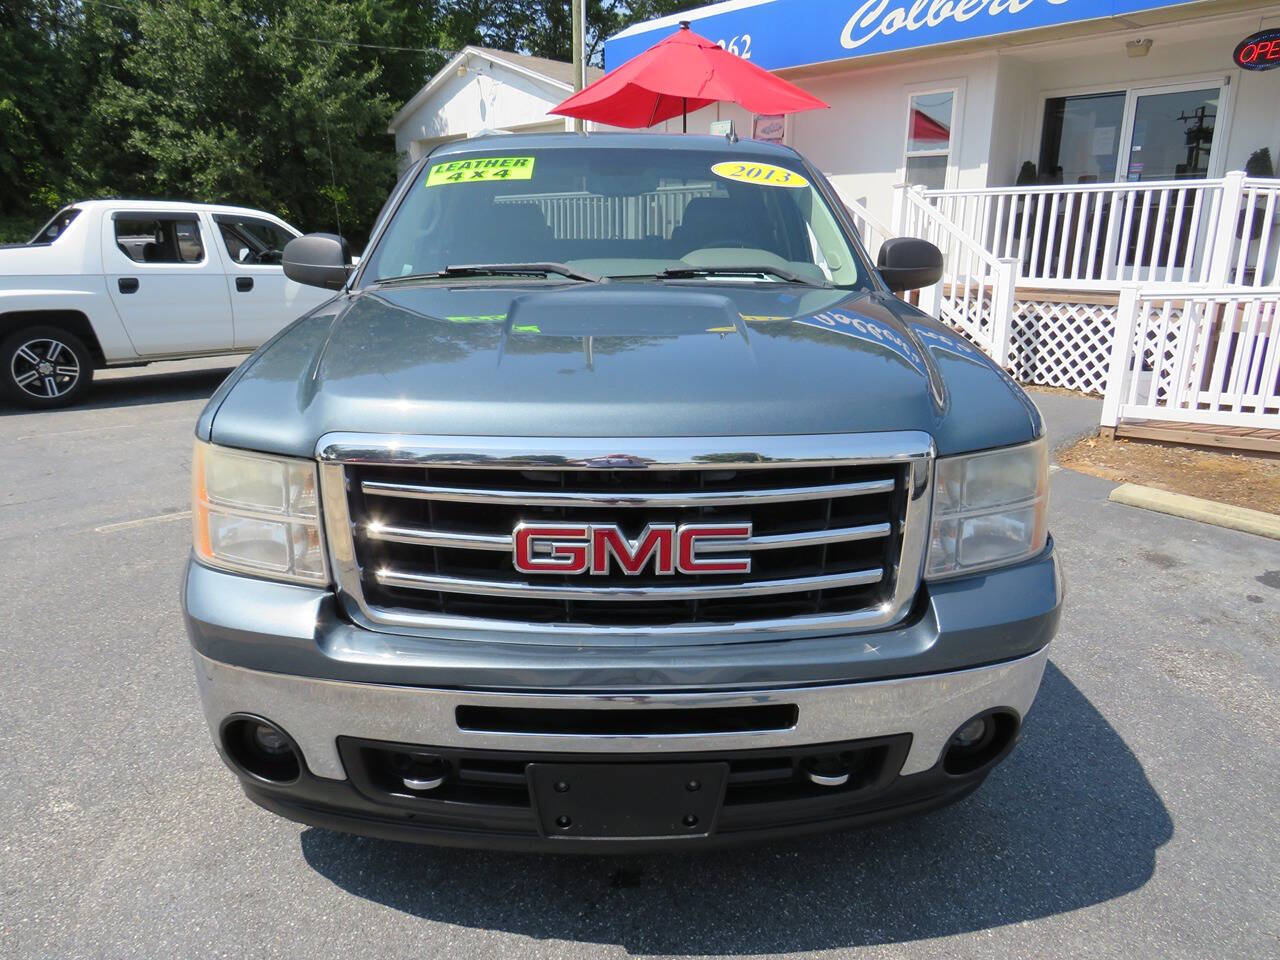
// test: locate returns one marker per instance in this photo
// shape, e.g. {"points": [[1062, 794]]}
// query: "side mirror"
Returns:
{"points": [[908, 263], [318, 260]]}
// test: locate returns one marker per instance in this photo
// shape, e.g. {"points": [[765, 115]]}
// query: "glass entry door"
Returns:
{"points": [[1148, 133], [1081, 137], [1171, 134]]}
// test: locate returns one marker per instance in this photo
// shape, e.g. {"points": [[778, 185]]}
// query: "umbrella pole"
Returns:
{"points": [[684, 114]]}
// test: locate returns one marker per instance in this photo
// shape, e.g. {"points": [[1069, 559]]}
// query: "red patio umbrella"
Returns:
{"points": [[677, 74]]}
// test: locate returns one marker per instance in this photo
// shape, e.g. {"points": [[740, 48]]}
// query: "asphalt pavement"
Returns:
{"points": [[1136, 819]]}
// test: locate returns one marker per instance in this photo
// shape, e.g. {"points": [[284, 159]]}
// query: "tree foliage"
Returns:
{"points": [[545, 29], [277, 104], [41, 96]]}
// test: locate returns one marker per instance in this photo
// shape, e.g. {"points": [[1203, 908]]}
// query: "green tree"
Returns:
{"points": [[544, 28], [38, 102], [230, 101], [614, 16], [278, 104]]}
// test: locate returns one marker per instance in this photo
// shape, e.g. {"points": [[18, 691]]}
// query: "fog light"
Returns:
{"points": [[270, 740], [256, 747], [971, 732], [981, 742]]}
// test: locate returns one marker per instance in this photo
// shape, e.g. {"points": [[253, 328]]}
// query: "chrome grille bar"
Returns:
{"points": [[653, 453], [808, 538], [504, 588], [438, 538], [576, 498], [480, 541]]}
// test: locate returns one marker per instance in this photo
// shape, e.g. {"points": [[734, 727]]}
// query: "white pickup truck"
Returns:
{"points": [[125, 282]]}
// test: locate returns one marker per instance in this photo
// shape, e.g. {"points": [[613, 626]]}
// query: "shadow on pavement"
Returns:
{"points": [[129, 391], [1068, 821]]}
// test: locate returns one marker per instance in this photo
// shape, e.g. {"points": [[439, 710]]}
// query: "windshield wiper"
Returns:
{"points": [[689, 273], [500, 270]]}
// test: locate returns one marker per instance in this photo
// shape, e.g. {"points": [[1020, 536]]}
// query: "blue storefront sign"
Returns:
{"points": [[789, 33]]}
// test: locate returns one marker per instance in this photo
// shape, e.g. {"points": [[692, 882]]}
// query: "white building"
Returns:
{"points": [[1106, 90], [1138, 260], [481, 90]]}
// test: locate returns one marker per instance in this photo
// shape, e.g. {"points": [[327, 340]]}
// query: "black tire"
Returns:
{"points": [[61, 364]]}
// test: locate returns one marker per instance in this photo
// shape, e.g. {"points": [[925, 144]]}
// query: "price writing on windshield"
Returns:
{"points": [[764, 174], [480, 171]]}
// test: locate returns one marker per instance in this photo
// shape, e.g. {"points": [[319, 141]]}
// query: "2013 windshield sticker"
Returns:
{"points": [[481, 170], [763, 174]]}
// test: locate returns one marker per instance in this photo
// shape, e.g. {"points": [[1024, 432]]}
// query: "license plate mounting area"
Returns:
{"points": [[627, 801]]}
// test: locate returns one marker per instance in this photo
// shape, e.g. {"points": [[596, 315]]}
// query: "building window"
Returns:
{"points": [[1151, 133], [1081, 139], [929, 138], [1172, 137]]}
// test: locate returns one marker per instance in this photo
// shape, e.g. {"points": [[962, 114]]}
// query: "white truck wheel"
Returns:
{"points": [[43, 367]]}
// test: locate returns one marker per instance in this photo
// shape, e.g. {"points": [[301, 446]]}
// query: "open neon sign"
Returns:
{"points": [[1261, 51]]}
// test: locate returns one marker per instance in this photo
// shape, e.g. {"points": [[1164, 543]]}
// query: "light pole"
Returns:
{"points": [[579, 65]]}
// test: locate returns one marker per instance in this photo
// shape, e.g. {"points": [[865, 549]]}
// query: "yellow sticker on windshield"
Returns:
{"points": [[481, 170], [764, 174]]}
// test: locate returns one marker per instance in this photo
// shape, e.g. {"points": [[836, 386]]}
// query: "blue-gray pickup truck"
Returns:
{"points": [[614, 502]]}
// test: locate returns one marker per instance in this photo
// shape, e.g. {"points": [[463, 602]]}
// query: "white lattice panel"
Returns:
{"points": [[1164, 335], [970, 315], [1060, 344]]}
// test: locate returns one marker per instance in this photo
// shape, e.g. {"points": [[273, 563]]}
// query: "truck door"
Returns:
{"points": [[263, 300], [166, 282]]}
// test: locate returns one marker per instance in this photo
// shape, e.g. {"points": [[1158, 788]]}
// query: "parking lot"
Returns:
{"points": [[1137, 818]]}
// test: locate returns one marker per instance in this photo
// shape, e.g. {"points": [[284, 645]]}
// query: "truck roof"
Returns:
{"points": [[164, 205], [689, 142]]}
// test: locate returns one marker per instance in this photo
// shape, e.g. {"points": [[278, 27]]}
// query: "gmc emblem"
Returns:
{"points": [[596, 547]]}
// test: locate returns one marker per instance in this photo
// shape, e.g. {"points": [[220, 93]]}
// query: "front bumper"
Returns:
{"points": [[317, 712], [900, 726], [890, 700]]}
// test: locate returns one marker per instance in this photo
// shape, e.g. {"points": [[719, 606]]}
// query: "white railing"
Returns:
{"points": [[873, 231], [1196, 356], [1101, 235], [975, 295], [1256, 260]]}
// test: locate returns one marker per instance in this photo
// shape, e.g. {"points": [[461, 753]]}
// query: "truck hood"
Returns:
{"points": [[616, 360]]}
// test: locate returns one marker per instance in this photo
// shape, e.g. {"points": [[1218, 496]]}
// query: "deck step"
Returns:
{"points": [[1203, 435]]}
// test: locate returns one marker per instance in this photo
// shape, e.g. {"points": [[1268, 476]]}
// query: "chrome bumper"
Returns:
{"points": [[316, 712]]}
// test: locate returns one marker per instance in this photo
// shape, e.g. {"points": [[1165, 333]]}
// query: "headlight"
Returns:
{"points": [[989, 509], [255, 513]]}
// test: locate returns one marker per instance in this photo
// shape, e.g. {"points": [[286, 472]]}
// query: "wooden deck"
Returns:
{"points": [[1251, 439], [1034, 294]]}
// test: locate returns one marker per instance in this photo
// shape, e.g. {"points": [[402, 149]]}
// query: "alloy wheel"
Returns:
{"points": [[45, 368]]}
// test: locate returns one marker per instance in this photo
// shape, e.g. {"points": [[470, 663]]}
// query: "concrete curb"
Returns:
{"points": [[1194, 508]]}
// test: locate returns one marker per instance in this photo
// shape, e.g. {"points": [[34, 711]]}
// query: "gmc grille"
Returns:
{"points": [[432, 543]]}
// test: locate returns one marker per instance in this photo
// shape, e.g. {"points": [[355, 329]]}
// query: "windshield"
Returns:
{"points": [[618, 213]]}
